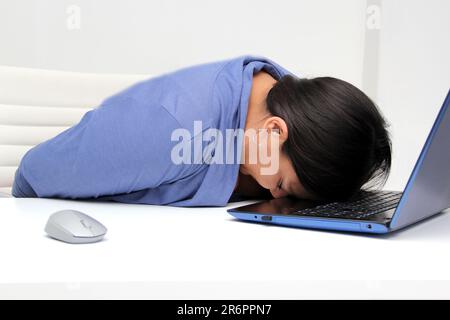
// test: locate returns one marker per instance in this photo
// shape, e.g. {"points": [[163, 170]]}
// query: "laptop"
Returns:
{"points": [[426, 193]]}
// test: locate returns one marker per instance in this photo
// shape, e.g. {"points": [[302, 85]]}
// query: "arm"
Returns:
{"points": [[115, 148]]}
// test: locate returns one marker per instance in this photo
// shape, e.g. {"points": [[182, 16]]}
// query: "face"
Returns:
{"points": [[281, 180]]}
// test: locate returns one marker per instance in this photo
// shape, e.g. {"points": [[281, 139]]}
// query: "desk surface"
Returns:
{"points": [[167, 252]]}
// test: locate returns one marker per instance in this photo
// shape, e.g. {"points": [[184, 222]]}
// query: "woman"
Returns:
{"points": [[330, 140]]}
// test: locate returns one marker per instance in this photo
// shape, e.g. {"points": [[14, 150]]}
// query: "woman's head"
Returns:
{"points": [[332, 137]]}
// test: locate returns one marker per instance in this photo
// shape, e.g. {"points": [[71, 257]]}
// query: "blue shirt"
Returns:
{"points": [[121, 150]]}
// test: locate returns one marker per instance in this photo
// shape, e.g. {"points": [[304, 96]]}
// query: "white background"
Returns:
{"points": [[155, 36]]}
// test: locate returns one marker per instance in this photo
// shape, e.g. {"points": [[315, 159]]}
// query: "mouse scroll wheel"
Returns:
{"points": [[85, 224]]}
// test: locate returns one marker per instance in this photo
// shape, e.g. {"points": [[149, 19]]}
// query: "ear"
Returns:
{"points": [[278, 125]]}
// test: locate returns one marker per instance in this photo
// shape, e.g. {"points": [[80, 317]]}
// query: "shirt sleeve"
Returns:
{"points": [[122, 146], [21, 188]]}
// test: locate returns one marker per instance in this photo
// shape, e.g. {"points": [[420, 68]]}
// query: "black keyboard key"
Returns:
{"points": [[362, 206]]}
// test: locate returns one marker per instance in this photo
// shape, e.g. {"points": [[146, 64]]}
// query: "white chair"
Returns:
{"points": [[37, 104]]}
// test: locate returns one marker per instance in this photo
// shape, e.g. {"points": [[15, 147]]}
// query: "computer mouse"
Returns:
{"points": [[73, 226]]}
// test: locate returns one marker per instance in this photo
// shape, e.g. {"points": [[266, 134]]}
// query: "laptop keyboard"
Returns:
{"points": [[363, 206]]}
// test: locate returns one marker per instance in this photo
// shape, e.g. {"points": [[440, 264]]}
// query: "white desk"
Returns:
{"points": [[187, 253]]}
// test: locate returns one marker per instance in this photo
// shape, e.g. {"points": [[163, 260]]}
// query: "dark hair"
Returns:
{"points": [[337, 138]]}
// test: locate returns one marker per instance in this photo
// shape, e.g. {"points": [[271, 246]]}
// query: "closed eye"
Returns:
{"points": [[280, 184]]}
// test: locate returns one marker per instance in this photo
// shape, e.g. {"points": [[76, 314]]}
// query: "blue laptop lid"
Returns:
{"points": [[428, 189]]}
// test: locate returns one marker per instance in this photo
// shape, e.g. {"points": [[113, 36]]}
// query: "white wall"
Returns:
{"points": [[414, 75], [307, 36]]}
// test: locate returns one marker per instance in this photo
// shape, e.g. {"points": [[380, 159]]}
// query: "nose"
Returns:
{"points": [[278, 193]]}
